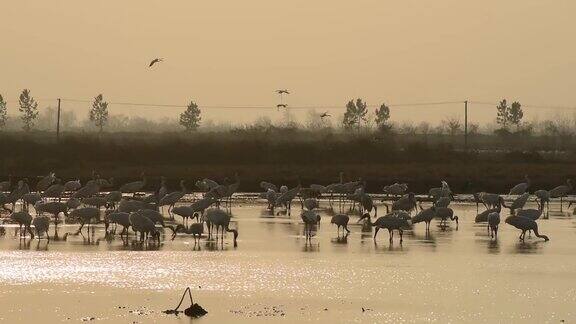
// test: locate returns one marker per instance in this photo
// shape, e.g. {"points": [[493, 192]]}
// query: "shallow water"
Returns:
{"points": [[452, 275]]}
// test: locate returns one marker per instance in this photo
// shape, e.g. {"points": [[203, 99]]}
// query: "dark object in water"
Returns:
{"points": [[194, 310]]}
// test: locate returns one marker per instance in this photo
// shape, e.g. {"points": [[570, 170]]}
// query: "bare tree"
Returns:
{"points": [[453, 125]]}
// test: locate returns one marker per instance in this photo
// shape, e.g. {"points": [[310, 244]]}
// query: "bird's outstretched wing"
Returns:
{"points": [[154, 61]]}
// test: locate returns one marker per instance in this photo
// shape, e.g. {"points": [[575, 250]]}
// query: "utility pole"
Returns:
{"points": [[58, 124], [465, 125]]}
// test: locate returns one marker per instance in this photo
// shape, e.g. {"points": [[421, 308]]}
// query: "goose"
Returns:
{"points": [[525, 224], [392, 221]]}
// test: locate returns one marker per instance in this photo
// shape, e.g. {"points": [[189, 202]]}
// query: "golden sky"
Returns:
{"points": [[326, 52]]}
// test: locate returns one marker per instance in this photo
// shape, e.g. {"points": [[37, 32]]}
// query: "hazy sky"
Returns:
{"points": [[326, 52]]}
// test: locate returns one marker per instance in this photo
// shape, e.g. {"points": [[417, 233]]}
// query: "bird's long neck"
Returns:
{"points": [[535, 229]]}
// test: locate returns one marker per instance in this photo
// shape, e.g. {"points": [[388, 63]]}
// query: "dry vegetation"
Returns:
{"points": [[281, 155]]}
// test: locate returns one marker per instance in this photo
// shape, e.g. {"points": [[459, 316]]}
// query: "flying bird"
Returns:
{"points": [[154, 61], [278, 106], [282, 91], [324, 114]]}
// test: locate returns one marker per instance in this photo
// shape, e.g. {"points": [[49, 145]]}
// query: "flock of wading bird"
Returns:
{"points": [[130, 206]]}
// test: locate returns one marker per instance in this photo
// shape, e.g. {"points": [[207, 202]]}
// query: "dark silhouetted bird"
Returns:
{"points": [[154, 61]]}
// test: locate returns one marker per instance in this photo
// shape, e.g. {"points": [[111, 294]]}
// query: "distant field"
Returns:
{"points": [[282, 158]]}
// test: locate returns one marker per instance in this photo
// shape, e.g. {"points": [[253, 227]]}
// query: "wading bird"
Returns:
{"points": [[134, 187], [143, 225], [41, 226], [493, 222], [525, 224], [393, 221], [117, 218], [520, 188], [341, 220], [310, 220], [23, 219], [221, 220], [562, 191]]}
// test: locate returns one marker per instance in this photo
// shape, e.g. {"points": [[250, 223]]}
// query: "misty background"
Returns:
{"points": [[238, 53]]}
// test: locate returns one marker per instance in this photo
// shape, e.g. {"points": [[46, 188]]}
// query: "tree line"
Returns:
{"points": [[508, 117]]}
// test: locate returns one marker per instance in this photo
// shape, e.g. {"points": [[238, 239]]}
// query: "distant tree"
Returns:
{"points": [[515, 114], [3, 112], [355, 114], [190, 118], [453, 125], [407, 128], [502, 112], [382, 117], [99, 112], [29, 110], [473, 129]]}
